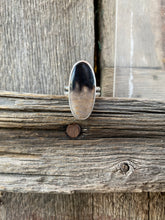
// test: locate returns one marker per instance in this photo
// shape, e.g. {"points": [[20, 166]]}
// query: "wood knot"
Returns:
{"points": [[73, 130], [124, 167]]}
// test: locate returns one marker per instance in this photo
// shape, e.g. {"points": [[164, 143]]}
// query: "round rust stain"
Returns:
{"points": [[73, 130]]}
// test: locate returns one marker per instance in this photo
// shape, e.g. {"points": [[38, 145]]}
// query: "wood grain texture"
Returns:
{"points": [[163, 29], [41, 40], [80, 206], [139, 46], [137, 117], [139, 42], [146, 33], [107, 80], [146, 83], [107, 12], [75, 206], [32, 206], [157, 206], [119, 131], [121, 206], [107, 22], [35, 165]]}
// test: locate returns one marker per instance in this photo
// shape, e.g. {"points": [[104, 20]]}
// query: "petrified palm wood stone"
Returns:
{"points": [[82, 90]]}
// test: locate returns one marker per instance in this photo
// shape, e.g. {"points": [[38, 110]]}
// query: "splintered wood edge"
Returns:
{"points": [[121, 147], [111, 117]]}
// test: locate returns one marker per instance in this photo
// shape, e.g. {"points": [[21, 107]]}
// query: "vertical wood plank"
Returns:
{"points": [[121, 206], [139, 52], [139, 46], [138, 35], [163, 29], [157, 206], [41, 40], [107, 16], [148, 83], [46, 207], [107, 21]]}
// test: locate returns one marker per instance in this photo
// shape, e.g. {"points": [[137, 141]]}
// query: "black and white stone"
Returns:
{"points": [[82, 90]]}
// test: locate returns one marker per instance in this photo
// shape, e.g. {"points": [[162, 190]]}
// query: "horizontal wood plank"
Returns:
{"points": [[121, 147], [111, 117], [49, 165]]}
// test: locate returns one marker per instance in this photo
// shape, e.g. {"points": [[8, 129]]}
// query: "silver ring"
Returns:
{"points": [[98, 91], [82, 90]]}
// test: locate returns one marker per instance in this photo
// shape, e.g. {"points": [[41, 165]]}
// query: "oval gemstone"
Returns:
{"points": [[82, 89]]}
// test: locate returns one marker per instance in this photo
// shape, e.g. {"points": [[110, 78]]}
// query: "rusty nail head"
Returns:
{"points": [[73, 130]]}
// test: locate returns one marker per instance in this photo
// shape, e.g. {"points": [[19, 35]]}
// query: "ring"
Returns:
{"points": [[82, 90]]}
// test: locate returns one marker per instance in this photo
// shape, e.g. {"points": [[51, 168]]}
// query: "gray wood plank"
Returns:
{"points": [[150, 86], [136, 44], [157, 206], [163, 30], [139, 42], [137, 117], [52, 166], [131, 206], [139, 45], [41, 40], [105, 206], [145, 83], [107, 23], [39, 151], [107, 82], [32, 206], [144, 19]]}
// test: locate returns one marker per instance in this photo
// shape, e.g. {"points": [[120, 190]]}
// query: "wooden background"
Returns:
{"points": [[40, 40]]}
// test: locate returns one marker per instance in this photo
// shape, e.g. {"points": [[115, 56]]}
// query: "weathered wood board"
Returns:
{"points": [[151, 79], [157, 206], [121, 206], [132, 42], [39, 151], [137, 24], [146, 83], [75, 206], [132, 79], [139, 44], [56, 169], [137, 117], [163, 29], [107, 21], [107, 15], [37, 73], [138, 34], [41, 40]]}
